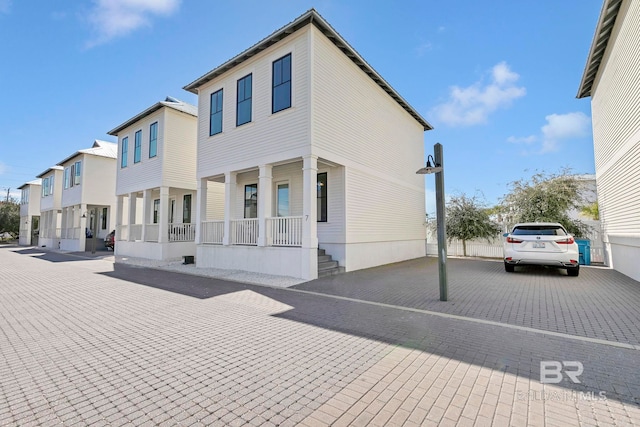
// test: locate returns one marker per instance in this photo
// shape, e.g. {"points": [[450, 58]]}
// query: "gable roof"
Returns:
{"points": [[52, 168], [607, 20], [34, 182], [310, 17], [169, 102], [99, 148]]}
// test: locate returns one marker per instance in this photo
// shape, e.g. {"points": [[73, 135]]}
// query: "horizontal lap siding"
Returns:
{"points": [[380, 210], [267, 134], [215, 201], [616, 126], [178, 150], [148, 173], [333, 231]]}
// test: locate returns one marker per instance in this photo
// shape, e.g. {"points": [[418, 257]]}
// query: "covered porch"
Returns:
{"points": [[79, 223], [156, 223], [269, 222]]}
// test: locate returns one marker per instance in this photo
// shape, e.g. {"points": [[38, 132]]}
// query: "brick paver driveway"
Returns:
{"points": [[84, 342]]}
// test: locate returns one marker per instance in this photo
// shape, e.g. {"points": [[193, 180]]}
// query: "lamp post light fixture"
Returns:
{"points": [[438, 168]]}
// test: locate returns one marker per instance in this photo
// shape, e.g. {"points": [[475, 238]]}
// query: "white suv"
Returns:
{"points": [[541, 243]]}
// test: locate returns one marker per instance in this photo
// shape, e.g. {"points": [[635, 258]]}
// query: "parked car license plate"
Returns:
{"points": [[538, 244]]}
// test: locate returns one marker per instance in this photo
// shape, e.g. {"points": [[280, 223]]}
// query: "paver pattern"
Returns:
{"points": [[600, 303], [84, 342]]}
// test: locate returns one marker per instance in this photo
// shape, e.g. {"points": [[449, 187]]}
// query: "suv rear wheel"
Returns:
{"points": [[510, 268], [573, 271]]}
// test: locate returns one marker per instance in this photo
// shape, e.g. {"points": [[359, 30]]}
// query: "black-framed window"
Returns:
{"points": [[153, 140], [76, 172], [281, 88], [243, 109], [186, 209], [125, 152], [156, 210], [322, 197], [251, 201], [137, 149], [104, 218], [215, 122]]}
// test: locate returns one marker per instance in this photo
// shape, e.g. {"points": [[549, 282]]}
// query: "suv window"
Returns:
{"points": [[544, 230]]}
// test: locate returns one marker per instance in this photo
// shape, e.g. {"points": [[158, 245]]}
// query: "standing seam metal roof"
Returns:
{"points": [[310, 17], [601, 38]]}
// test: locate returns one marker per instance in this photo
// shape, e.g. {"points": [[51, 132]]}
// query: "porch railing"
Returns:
{"points": [[212, 232], [122, 232], [152, 232], [135, 232], [284, 231], [182, 232], [244, 231], [70, 233]]}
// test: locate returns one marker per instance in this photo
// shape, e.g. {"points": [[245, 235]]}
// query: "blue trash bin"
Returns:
{"points": [[584, 248]]}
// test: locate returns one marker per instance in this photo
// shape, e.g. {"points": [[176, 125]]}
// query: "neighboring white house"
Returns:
{"points": [[50, 207], [30, 212], [156, 182], [315, 150], [612, 79], [88, 181]]}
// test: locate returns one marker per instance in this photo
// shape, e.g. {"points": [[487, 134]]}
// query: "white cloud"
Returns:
{"points": [[117, 18], [423, 48], [473, 104], [5, 6], [522, 139], [560, 127]]}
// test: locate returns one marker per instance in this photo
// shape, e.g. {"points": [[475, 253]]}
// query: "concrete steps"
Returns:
{"points": [[326, 265]]}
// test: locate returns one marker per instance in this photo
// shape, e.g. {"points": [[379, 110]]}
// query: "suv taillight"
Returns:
{"points": [[568, 241], [512, 240]]}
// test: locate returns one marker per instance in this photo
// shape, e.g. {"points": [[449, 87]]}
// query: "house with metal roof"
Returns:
{"points": [[30, 212], [612, 79], [86, 180], [317, 154], [156, 182], [50, 207]]}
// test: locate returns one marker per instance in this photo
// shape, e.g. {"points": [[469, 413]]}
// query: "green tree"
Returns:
{"points": [[468, 219], [591, 211], [10, 217], [546, 198]]}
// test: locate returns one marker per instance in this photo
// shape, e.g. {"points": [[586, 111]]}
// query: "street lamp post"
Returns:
{"points": [[438, 169]]}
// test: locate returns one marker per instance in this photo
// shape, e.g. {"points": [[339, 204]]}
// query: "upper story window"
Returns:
{"points": [[76, 170], [281, 93], [215, 123], [243, 110], [24, 199], [137, 148], [153, 140], [51, 184], [125, 152], [66, 177], [45, 187]]}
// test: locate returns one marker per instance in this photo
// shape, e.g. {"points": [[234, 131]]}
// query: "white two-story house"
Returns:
{"points": [[88, 196], [612, 79], [156, 182], [50, 207], [30, 212], [315, 150]]}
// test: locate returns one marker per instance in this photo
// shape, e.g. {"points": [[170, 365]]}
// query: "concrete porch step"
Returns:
{"points": [[326, 265]]}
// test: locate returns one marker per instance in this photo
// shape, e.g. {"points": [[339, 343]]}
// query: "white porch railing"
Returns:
{"points": [[56, 233], [152, 232], [244, 231], [212, 232], [122, 232], [284, 231], [70, 233], [135, 232], [182, 232]]}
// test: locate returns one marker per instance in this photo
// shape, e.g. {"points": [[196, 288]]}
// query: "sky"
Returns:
{"points": [[497, 79]]}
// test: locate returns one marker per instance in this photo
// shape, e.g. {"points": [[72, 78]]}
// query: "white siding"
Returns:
{"points": [[268, 137], [178, 151], [148, 172], [333, 231], [215, 201], [52, 201], [97, 182], [356, 123]]}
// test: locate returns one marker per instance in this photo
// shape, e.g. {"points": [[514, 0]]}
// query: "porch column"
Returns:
{"points": [[265, 197], [133, 204], [146, 207], [83, 225], [119, 209], [229, 205], [163, 216], [201, 208], [310, 202]]}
